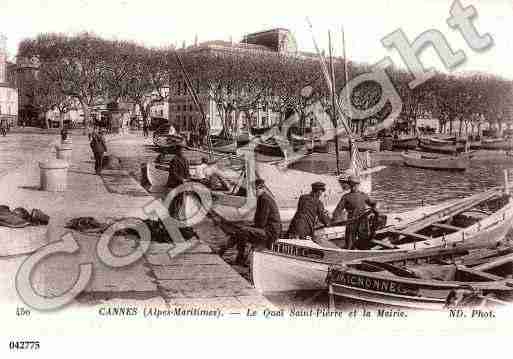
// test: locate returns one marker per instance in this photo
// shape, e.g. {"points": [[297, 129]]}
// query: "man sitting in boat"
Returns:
{"points": [[355, 204], [266, 227], [309, 210]]}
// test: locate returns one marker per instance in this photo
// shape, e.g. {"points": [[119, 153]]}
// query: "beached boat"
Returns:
{"points": [[258, 131], [167, 142], [294, 264], [432, 144], [436, 162], [373, 145], [270, 147], [431, 279], [405, 143], [311, 144], [224, 146], [497, 144]]}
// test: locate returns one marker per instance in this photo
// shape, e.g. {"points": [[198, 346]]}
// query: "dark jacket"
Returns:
{"points": [[98, 143], [178, 171], [309, 210], [267, 216], [354, 203]]}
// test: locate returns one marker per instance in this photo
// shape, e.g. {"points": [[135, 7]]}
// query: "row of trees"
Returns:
{"points": [[85, 70]]}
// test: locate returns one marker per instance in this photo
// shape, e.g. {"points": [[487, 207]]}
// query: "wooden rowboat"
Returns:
{"points": [[373, 145], [294, 264], [497, 144], [432, 279], [269, 148], [436, 162], [405, 143], [431, 144]]}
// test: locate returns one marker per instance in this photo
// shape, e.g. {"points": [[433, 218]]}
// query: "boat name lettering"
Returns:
{"points": [[297, 251], [376, 284]]}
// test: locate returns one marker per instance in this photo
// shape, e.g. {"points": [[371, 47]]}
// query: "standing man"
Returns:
{"points": [[309, 210], [145, 128], [266, 228], [178, 174], [355, 204], [99, 148], [3, 126]]}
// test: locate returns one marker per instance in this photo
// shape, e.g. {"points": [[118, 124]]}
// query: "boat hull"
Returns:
{"points": [[440, 146], [436, 163], [405, 143], [294, 265], [506, 145], [363, 145]]}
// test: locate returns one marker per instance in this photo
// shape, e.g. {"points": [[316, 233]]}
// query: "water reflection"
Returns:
{"points": [[401, 188]]}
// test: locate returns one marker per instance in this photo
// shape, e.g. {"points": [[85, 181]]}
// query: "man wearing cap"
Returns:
{"points": [[309, 210], [266, 227], [354, 204], [178, 173], [99, 148]]}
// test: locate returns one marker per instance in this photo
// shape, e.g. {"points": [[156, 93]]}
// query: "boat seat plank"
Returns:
{"points": [[479, 273], [495, 263], [413, 235], [383, 244], [446, 226]]}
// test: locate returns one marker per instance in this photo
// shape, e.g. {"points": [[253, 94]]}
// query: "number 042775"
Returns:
{"points": [[24, 345]]}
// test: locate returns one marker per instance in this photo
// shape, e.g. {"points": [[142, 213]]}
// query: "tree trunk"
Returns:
{"points": [[87, 115], [461, 127]]}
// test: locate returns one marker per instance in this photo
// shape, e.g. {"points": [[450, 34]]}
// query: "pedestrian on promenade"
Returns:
{"points": [[64, 133], [266, 228], [355, 205], [309, 210], [3, 126], [99, 148], [145, 128]]}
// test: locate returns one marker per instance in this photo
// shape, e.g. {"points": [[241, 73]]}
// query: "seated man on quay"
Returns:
{"points": [[266, 228], [354, 203], [309, 210]]}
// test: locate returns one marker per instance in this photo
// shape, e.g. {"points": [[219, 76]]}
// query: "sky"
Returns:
{"points": [[366, 22]]}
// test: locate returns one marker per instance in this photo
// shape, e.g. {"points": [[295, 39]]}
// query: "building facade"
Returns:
{"points": [[8, 91], [183, 113]]}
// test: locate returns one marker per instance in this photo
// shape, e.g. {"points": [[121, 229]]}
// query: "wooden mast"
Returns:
{"points": [[333, 101], [196, 101]]}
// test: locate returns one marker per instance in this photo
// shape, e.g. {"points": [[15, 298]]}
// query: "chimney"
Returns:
{"points": [[196, 40]]}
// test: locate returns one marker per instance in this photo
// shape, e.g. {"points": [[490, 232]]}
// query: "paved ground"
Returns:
{"points": [[197, 278]]}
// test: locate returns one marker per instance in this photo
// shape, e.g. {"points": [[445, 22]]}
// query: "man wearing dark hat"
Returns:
{"points": [[309, 210], [99, 148], [266, 227], [178, 173], [355, 205]]}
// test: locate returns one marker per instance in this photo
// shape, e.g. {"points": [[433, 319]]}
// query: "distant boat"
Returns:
{"points": [[224, 146], [405, 143], [258, 131], [312, 145], [497, 144], [372, 145], [436, 162], [270, 147], [431, 279], [432, 144]]}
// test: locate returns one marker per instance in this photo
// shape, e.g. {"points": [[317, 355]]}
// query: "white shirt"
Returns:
{"points": [[172, 131]]}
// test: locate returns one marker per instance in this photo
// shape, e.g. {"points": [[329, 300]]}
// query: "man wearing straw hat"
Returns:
{"points": [[178, 174], [355, 205]]}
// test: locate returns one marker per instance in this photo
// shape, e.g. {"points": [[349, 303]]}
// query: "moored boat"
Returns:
{"points": [[436, 162], [294, 264], [405, 143], [270, 147], [497, 144], [372, 145], [431, 144], [431, 279]]}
